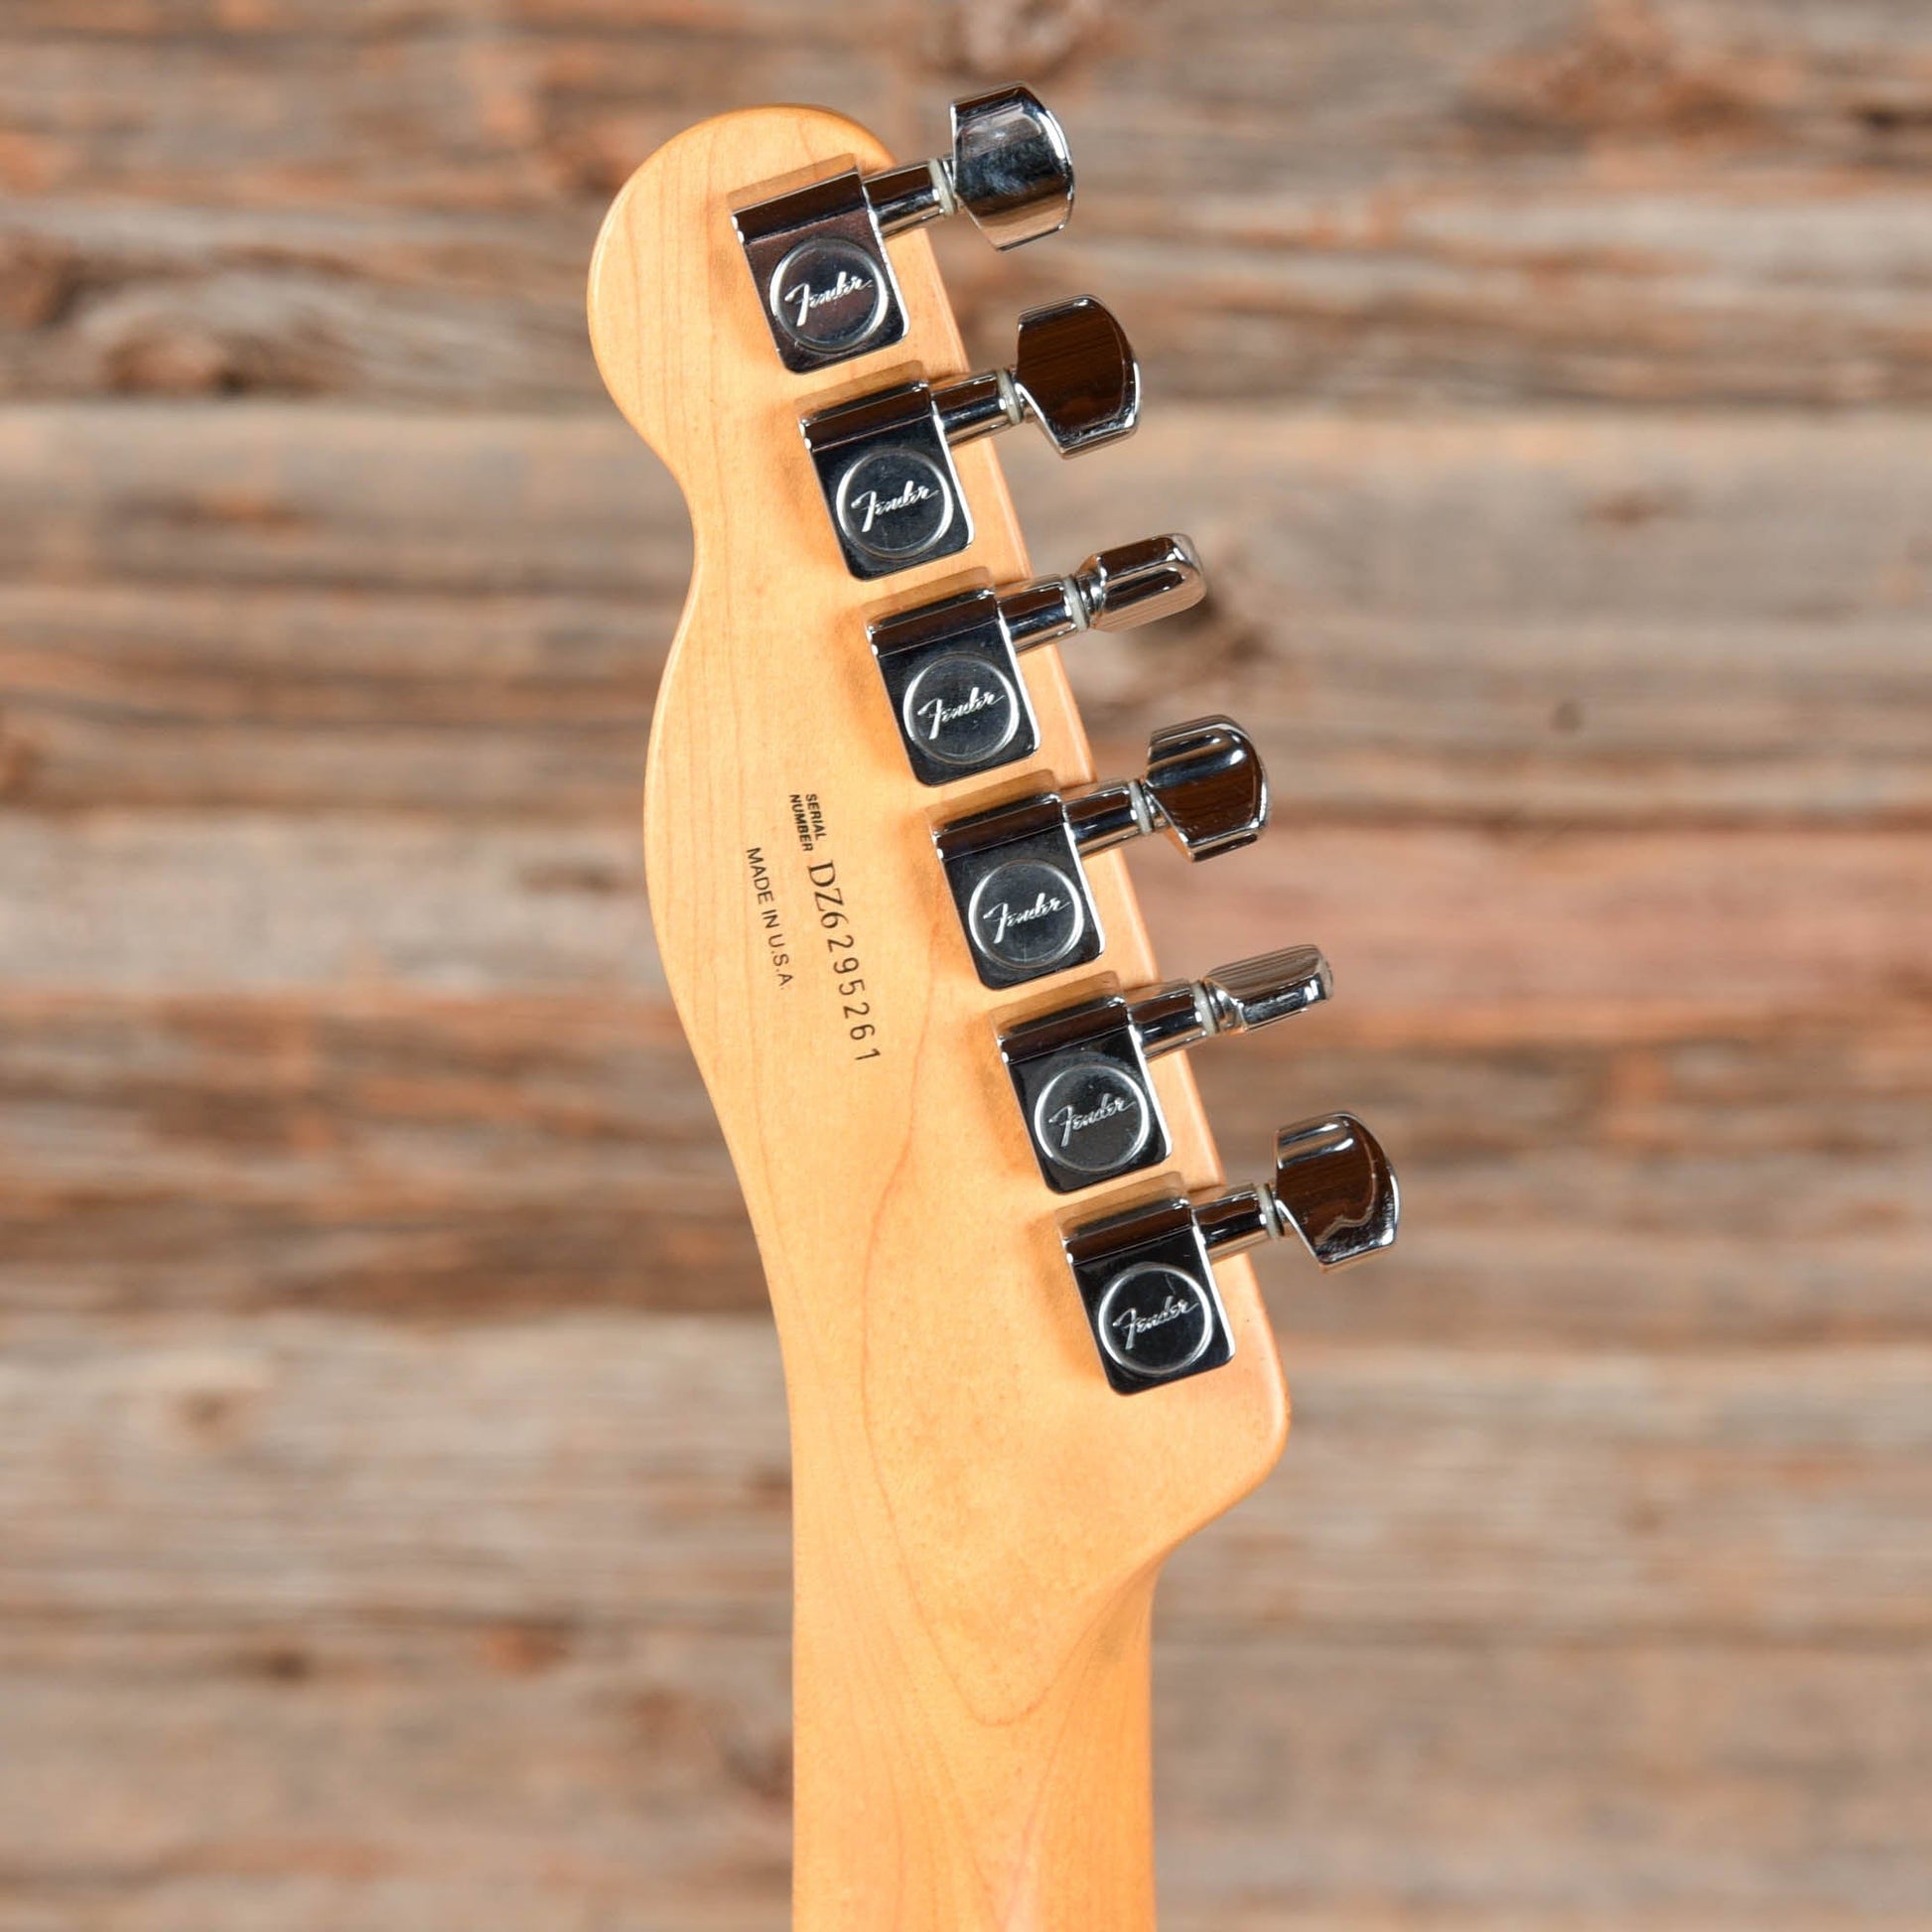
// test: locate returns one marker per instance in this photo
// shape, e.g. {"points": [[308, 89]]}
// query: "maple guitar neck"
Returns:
{"points": [[979, 1513]]}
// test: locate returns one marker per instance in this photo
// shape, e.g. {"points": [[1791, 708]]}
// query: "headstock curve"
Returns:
{"points": [[970, 1492], [770, 696]]}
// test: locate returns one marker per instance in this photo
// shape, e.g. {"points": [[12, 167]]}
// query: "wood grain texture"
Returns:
{"points": [[505, 1773], [279, 1617], [1601, 1497], [1544, 381], [1634, 201], [1554, 619], [1684, 1186]]}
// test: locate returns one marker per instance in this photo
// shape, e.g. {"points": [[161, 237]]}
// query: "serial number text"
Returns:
{"points": [[842, 955]]}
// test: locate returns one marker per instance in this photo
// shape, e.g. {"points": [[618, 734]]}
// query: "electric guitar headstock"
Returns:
{"points": [[1024, 1347]]}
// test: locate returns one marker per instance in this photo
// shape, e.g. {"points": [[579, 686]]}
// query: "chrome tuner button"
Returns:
{"points": [[1204, 787], [1010, 169], [1140, 583], [1076, 376], [1146, 1275], [817, 253], [952, 668], [1016, 870], [1269, 987], [1082, 1078], [1334, 1187], [885, 460], [1207, 784]]}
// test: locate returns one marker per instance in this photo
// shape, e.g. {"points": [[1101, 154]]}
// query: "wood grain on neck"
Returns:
{"points": [[977, 1519]]}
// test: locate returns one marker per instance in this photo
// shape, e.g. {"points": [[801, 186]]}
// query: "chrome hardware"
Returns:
{"points": [[1021, 895], [1333, 1185], [1147, 1275], [1016, 873], [1238, 999], [884, 462], [818, 255], [1140, 583], [1075, 375], [1081, 1074], [1009, 170], [1206, 785], [952, 670]]}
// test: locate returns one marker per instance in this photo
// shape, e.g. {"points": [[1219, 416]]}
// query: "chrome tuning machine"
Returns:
{"points": [[1081, 1074], [1016, 873], [1147, 1276], [884, 462], [952, 668], [818, 254]]}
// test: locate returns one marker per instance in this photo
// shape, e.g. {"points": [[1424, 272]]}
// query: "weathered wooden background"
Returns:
{"points": [[392, 1463]]}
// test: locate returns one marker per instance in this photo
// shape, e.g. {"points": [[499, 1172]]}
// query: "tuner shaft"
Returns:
{"points": [[910, 196], [1235, 999], [1044, 611], [1241, 1218], [1110, 814], [980, 405], [1114, 589]]}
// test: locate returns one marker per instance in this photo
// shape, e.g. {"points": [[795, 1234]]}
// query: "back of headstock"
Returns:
{"points": [[983, 1492]]}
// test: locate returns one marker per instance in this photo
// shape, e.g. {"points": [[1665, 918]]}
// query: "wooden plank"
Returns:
{"points": [[1679, 1190], [515, 1776], [504, 1775], [416, 110], [510, 1776], [458, 1159], [1692, 292], [1628, 1787], [180, 900], [538, 705], [1585, 517], [1739, 925], [1559, 621], [1486, 200], [1526, 292], [337, 499], [457, 305], [1212, 101], [1728, 922], [318, 1623], [606, 1469], [480, 1158]]}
